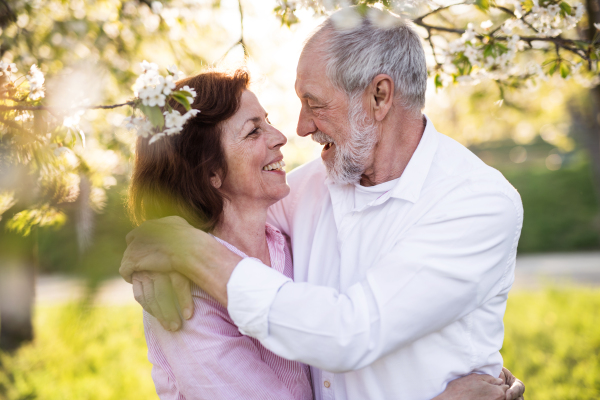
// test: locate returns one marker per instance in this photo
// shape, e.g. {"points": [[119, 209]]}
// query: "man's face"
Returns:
{"points": [[338, 123]]}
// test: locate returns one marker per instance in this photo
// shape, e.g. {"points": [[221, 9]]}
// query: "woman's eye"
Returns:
{"points": [[254, 132]]}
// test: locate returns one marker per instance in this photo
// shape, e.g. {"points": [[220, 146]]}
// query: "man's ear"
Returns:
{"points": [[215, 180], [381, 96]]}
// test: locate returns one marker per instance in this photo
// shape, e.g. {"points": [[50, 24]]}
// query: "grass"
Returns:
{"points": [[80, 353], [552, 343]]}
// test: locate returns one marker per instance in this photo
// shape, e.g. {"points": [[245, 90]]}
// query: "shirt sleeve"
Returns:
{"points": [[458, 256], [209, 359]]}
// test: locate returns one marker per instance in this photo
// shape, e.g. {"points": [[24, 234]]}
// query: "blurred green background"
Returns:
{"points": [[538, 137], [99, 353]]}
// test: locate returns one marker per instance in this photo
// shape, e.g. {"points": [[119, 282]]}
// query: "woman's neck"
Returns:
{"points": [[244, 228]]}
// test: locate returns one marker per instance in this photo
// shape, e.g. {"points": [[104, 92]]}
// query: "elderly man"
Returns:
{"points": [[404, 242]]}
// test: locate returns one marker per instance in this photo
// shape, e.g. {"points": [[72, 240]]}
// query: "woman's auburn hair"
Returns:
{"points": [[172, 176]]}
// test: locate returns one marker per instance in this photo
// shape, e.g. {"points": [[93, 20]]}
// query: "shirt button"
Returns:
{"points": [[327, 384]]}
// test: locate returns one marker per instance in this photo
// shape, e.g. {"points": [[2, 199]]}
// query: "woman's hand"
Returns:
{"points": [[162, 295], [516, 387], [484, 387], [475, 387]]}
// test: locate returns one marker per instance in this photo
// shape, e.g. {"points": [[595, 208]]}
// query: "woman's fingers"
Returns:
{"points": [[163, 296], [516, 387], [183, 293]]}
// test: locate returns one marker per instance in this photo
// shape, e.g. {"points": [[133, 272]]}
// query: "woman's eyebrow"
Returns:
{"points": [[255, 120]]}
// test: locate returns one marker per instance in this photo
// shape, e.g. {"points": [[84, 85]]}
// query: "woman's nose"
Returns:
{"points": [[277, 139]]}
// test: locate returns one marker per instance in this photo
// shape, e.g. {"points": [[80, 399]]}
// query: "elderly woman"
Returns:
{"points": [[221, 174]]}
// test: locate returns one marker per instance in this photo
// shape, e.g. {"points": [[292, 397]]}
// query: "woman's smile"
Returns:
{"points": [[275, 166]]}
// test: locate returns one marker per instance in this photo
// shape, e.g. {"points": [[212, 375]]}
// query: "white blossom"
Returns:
{"points": [[72, 121], [174, 121], [597, 26], [469, 34], [174, 71], [155, 137], [148, 66], [384, 19], [150, 86], [142, 126], [191, 91], [36, 80], [7, 68], [157, 7], [346, 19], [168, 85], [487, 24]]}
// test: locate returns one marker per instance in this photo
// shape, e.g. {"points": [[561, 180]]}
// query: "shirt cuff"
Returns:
{"points": [[251, 290]]}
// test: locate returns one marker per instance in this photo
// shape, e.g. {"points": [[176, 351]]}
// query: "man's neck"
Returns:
{"points": [[394, 150], [244, 228]]}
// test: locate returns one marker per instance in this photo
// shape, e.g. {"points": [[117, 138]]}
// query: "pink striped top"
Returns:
{"points": [[210, 359]]}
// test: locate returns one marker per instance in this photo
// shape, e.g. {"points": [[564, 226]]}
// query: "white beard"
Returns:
{"points": [[350, 159]]}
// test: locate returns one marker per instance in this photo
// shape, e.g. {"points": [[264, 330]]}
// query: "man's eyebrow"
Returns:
{"points": [[311, 97]]}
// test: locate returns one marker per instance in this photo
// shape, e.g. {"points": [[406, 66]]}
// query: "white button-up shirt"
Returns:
{"points": [[396, 298]]}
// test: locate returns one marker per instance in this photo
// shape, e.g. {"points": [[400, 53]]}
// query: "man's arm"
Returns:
{"points": [[449, 264], [446, 266]]}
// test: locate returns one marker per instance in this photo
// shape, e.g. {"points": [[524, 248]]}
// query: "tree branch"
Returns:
{"points": [[567, 44], [55, 109]]}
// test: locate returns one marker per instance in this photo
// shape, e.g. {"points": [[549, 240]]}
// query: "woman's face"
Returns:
{"points": [[255, 175]]}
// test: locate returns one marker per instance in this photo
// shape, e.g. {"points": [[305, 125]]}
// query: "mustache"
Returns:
{"points": [[321, 138]]}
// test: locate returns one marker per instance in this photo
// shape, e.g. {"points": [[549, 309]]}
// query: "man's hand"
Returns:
{"points": [[160, 245], [172, 245], [159, 293], [516, 387], [475, 387]]}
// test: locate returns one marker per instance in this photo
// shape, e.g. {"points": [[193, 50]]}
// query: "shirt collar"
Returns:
{"points": [[411, 182]]}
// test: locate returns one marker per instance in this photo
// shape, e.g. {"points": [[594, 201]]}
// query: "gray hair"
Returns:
{"points": [[355, 56]]}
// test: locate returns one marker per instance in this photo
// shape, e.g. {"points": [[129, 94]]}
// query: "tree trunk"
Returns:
{"points": [[17, 290], [592, 134]]}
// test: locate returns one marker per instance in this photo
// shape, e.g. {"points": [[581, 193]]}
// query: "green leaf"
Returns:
{"points": [[552, 69], [154, 114], [566, 8], [565, 69], [23, 221], [488, 51], [181, 98], [438, 81], [483, 5]]}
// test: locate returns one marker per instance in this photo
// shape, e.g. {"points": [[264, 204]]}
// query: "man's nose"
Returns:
{"points": [[306, 125]]}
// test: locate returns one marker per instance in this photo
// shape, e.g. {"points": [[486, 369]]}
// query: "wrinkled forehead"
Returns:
{"points": [[311, 74], [250, 110]]}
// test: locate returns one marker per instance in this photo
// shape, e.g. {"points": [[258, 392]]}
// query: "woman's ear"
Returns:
{"points": [[215, 180]]}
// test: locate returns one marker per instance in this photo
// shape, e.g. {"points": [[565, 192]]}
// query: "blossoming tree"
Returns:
{"points": [[45, 154]]}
